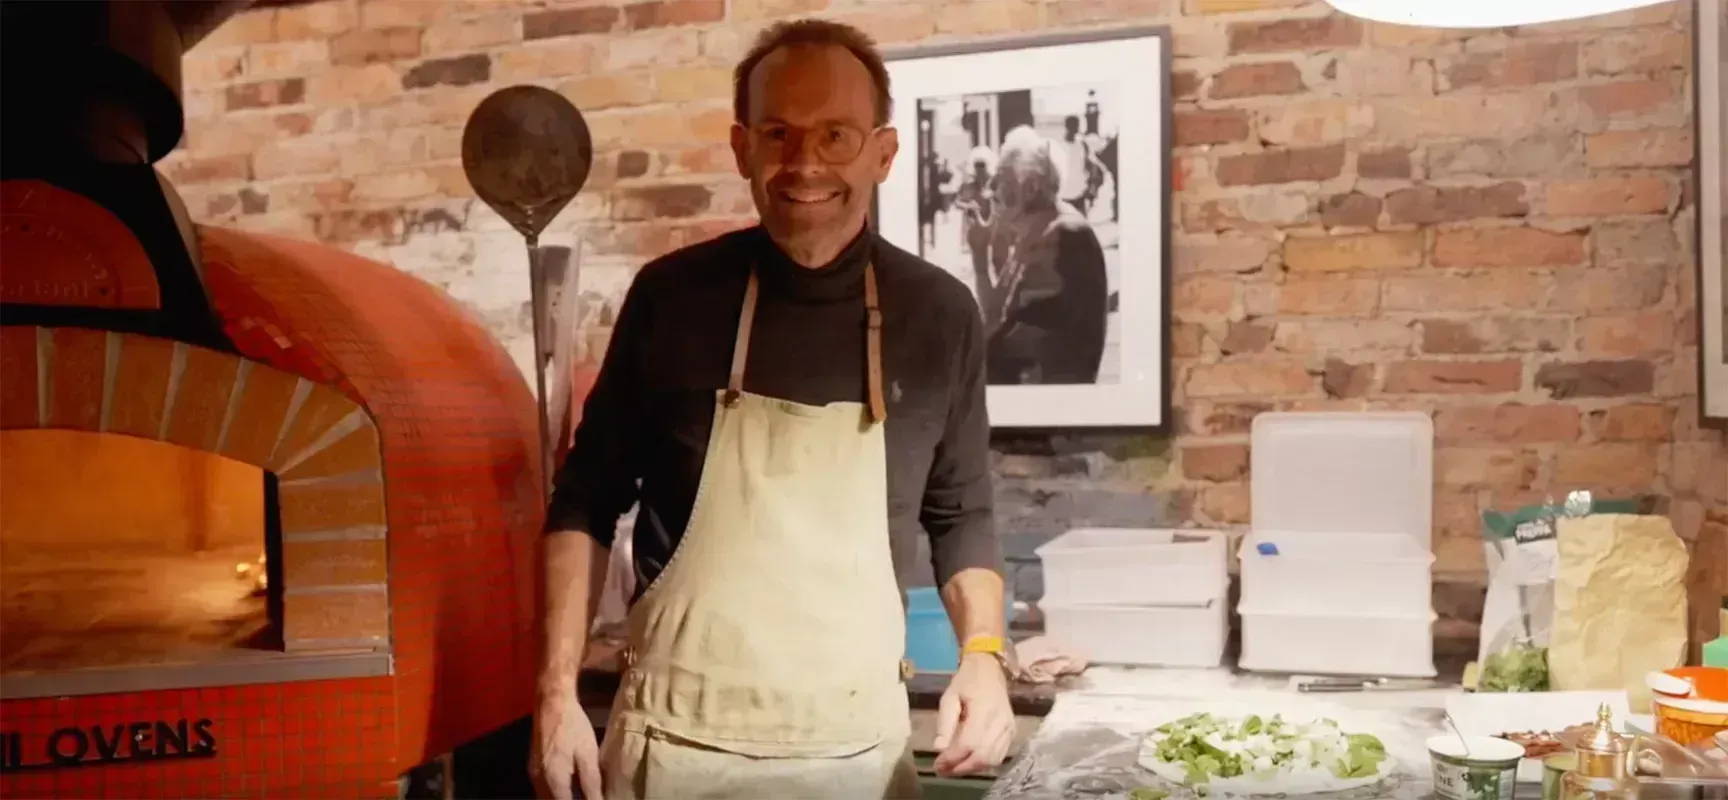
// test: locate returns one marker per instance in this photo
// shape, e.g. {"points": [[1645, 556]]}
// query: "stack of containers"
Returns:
{"points": [[1337, 570], [1148, 597]]}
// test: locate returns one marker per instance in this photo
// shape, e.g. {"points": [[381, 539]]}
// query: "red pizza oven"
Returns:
{"points": [[270, 509]]}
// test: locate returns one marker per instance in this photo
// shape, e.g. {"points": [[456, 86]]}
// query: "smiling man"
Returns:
{"points": [[789, 407]]}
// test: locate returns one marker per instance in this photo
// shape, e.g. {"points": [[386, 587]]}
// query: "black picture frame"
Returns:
{"points": [[1710, 160], [1155, 147]]}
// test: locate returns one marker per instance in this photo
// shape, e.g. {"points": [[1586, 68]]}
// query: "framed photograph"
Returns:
{"points": [[1711, 81], [1037, 171]]}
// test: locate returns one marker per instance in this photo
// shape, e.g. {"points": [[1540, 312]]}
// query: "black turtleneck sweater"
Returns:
{"points": [[645, 425]]}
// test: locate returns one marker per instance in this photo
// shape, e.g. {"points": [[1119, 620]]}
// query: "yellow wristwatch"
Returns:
{"points": [[995, 647]]}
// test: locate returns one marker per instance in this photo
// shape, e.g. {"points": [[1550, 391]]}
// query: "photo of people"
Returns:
{"points": [[1018, 198]]}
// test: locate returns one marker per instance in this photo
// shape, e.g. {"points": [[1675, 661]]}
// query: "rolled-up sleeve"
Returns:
{"points": [[958, 508], [597, 482]]}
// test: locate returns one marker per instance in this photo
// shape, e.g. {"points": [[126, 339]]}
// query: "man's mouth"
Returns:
{"points": [[808, 196]]}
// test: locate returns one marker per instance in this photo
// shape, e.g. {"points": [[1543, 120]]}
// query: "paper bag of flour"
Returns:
{"points": [[1619, 601]]}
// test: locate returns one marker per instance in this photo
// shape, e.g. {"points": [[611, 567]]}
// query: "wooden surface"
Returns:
{"points": [[1707, 581]]}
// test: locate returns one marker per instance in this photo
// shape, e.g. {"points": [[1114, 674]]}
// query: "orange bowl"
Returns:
{"points": [[1697, 718]]}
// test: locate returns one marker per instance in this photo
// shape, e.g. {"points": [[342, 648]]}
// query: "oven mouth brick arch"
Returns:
{"points": [[322, 447]]}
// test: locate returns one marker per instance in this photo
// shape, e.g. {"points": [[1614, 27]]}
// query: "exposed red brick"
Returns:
{"points": [[661, 202], [1350, 210], [375, 45], [667, 13], [1353, 252], [1657, 147], [455, 71], [1390, 163], [1341, 379], [1210, 127], [1607, 466], [1646, 333], [1454, 377], [263, 94], [1218, 463], [1519, 65], [632, 164], [1286, 35], [1628, 98], [1634, 421], [211, 169], [1611, 196], [570, 22], [1225, 419], [1253, 80], [1184, 84], [1428, 204], [1564, 381], [1486, 468], [1329, 295], [1495, 335], [1255, 378], [1507, 247], [1508, 423], [1282, 166], [1246, 337]]}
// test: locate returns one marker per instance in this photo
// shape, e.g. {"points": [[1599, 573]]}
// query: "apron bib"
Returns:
{"points": [[765, 660]]}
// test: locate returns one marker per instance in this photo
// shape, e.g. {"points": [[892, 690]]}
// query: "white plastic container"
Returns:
{"points": [[1383, 645], [1128, 566], [1326, 472], [1337, 573], [1162, 636]]}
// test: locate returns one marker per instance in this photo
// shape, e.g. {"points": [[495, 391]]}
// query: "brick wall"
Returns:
{"points": [[1494, 225]]}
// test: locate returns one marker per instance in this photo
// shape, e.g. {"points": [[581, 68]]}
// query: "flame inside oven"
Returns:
{"points": [[256, 573]]}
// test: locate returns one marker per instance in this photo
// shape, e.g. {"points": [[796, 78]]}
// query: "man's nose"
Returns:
{"points": [[801, 153]]}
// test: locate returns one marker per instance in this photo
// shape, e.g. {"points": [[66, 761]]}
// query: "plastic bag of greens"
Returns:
{"points": [[1518, 614]]}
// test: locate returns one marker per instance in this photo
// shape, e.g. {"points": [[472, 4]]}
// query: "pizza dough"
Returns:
{"points": [[1256, 756]]}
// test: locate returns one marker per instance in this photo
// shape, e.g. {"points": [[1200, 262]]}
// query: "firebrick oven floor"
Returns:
{"points": [[75, 611]]}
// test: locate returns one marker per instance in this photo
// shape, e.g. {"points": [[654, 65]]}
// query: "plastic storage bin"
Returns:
{"points": [[1326, 472], [1134, 567], [930, 641], [1348, 500], [1391, 645], [1171, 636], [1337, 573]]}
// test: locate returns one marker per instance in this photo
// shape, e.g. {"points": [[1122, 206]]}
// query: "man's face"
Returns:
{"points": [[811, 106]]}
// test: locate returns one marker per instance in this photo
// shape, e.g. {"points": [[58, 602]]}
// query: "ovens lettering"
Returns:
{"points": [[117, 743]]}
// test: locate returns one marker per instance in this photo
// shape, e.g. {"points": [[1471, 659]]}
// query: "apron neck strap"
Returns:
{"points": [[872, 343]]}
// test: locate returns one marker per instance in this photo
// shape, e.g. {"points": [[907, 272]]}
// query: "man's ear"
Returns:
{"points": [[888, 146], [741, 149]]}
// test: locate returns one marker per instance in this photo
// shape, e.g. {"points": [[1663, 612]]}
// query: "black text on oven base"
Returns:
{"points": [[118, 743]]}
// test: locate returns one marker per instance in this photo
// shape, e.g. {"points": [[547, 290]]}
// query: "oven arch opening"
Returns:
{"points": [[301, 456]]}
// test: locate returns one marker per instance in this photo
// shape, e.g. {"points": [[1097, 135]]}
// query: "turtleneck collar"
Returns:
{"points": [[843, 277]]}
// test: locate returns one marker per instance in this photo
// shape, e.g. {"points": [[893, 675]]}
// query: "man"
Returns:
{"points": [[1057, 293], [788, 405], [1079, 167], [972, 198]]}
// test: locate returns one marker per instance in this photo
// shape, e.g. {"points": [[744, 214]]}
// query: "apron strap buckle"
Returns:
{"points": [[907, 670]]}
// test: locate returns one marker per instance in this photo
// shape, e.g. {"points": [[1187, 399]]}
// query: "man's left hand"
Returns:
{"points": [[975, 724]]}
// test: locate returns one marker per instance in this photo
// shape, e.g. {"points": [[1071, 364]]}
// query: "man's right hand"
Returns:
{"points": [[564, 751]]}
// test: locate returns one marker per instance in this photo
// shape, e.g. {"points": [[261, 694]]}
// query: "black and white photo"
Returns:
{"points": [[1036, 173], [1017, 199]]}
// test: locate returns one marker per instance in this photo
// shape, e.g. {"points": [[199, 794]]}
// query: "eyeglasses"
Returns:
{"points": [[836, 144]]}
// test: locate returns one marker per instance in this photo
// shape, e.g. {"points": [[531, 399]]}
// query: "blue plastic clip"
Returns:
{"points": [[1266, 548]]}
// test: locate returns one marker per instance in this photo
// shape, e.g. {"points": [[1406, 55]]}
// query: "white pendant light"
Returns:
{"points": [[1482, 13]]}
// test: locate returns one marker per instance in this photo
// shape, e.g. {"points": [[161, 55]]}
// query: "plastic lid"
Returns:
{"points": [[1329, 472]]}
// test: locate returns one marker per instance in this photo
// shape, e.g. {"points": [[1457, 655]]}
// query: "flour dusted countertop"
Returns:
{"points": [[1088, 744]]}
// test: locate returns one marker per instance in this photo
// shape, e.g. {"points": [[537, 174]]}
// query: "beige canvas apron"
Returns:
{"points": [[765, 661]]}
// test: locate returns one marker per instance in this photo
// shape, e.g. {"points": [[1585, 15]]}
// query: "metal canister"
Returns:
{"points": [[1554, 769], [1601, 772]]}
